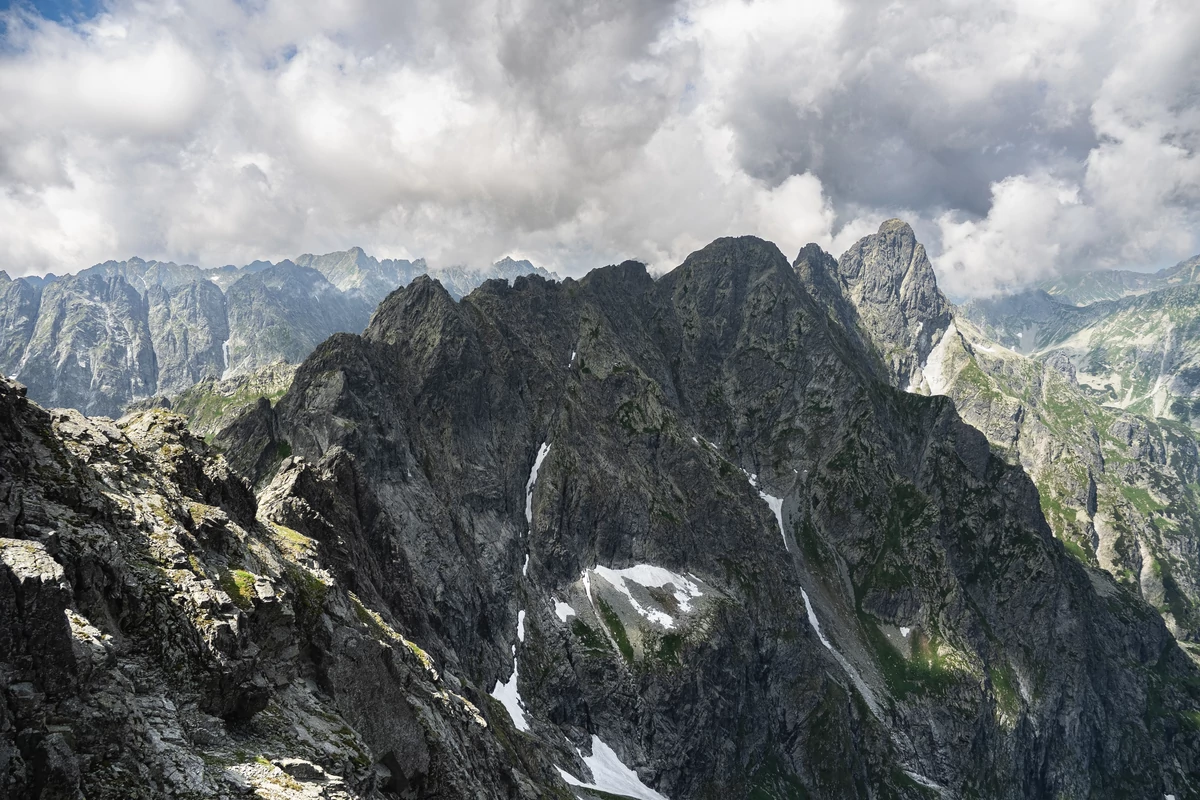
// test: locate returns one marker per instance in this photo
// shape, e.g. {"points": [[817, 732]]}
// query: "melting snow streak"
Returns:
{"points": [[855, 678], [537, 464], [776, 506]]}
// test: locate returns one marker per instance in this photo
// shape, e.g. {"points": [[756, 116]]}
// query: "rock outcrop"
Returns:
{"points": [[159, 640]]}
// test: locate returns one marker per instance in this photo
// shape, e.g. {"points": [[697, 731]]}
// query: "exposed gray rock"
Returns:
{"points": [[19, 301], [188, 328], [91, 347], [888, 278]]}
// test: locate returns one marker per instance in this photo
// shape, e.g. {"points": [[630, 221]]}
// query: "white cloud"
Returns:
{"points": [[1025, 137]]}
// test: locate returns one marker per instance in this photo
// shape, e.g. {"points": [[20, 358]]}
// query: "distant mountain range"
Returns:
{"points": [[123, 331], [1084, 288], [1138, 352]]}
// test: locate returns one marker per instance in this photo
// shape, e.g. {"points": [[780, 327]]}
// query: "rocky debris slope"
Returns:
{"points": [[687, 525], [124, 331], [160, 639], [1117, 488]]}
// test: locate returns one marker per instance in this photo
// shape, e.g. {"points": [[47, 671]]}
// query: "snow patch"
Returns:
{"points": [[510, 698], [533, 473], [650, 576], [813, 621], [775, 504], [572, 361], [225, 356], [610, 775], [905, 632], [562, 610], [921, 779], [934, 369], [525, 567], [521, 625]]}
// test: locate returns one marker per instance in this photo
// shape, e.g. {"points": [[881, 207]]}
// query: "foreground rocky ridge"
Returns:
{"points": [[159, 639], [903, 624]]}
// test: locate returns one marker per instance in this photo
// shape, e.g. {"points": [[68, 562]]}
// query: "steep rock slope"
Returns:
{"points": [[19, 301], [283, 312], [189, 329], [685, 524], [1119, 489], [157, 640], [91, 347]]}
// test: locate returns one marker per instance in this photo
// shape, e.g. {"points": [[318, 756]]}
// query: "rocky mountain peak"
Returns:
{"points": [[897, 226], [733, 260], [424, 297], [814, 265], [888, 278]]}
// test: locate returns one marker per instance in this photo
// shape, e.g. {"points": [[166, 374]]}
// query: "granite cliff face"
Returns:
{"points": [[189, 329], [282, 313], [90, 351], [18, 314], [91, 343]]}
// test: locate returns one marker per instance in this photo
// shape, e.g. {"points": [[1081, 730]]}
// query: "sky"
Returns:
{"points": [[1021, 138]]}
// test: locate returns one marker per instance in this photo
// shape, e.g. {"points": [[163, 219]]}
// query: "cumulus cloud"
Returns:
{"points": [[1021, 138]]}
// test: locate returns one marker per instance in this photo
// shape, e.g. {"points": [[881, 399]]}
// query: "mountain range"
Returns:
{"points": [[120, 332], [757, 528]]}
